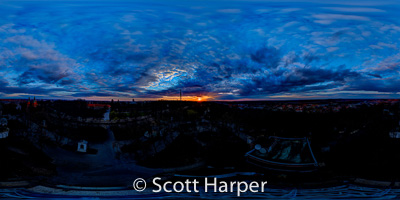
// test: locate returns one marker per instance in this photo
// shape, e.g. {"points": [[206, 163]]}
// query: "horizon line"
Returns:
{"points": [[236, 100]]}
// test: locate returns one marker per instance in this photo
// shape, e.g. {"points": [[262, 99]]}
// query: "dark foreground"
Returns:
{"points": [[352, 140], [345, 191]]}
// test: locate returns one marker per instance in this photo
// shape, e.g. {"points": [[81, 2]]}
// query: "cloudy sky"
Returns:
{"points": [[219, 50]]}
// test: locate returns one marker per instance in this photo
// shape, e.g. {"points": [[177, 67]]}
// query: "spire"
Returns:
{"points": [[34, 102]]}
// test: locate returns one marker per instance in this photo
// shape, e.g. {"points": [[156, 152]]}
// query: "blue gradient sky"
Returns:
{"points": [[220, 50]]}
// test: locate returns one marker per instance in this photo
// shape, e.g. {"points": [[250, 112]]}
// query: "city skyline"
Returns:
{"points": [[254, 50]]}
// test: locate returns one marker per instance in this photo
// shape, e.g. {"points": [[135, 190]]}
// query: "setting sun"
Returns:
{"points": [[198, 98]]}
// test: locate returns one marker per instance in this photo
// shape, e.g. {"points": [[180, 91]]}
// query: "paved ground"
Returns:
{"points": [[99, 169]]}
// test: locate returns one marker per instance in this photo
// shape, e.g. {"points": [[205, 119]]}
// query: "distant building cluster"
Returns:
{"points": [[314, 107], [98, 106]]}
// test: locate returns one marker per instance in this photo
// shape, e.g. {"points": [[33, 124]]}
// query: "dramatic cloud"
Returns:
{"points": [[219, 49]]}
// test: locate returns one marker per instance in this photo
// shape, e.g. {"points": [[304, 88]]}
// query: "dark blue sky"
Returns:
{"points": [[221, 50]]}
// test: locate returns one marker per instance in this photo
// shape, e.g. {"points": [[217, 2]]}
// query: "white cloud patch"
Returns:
{"points": [[335, 17], [355, 9]]}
